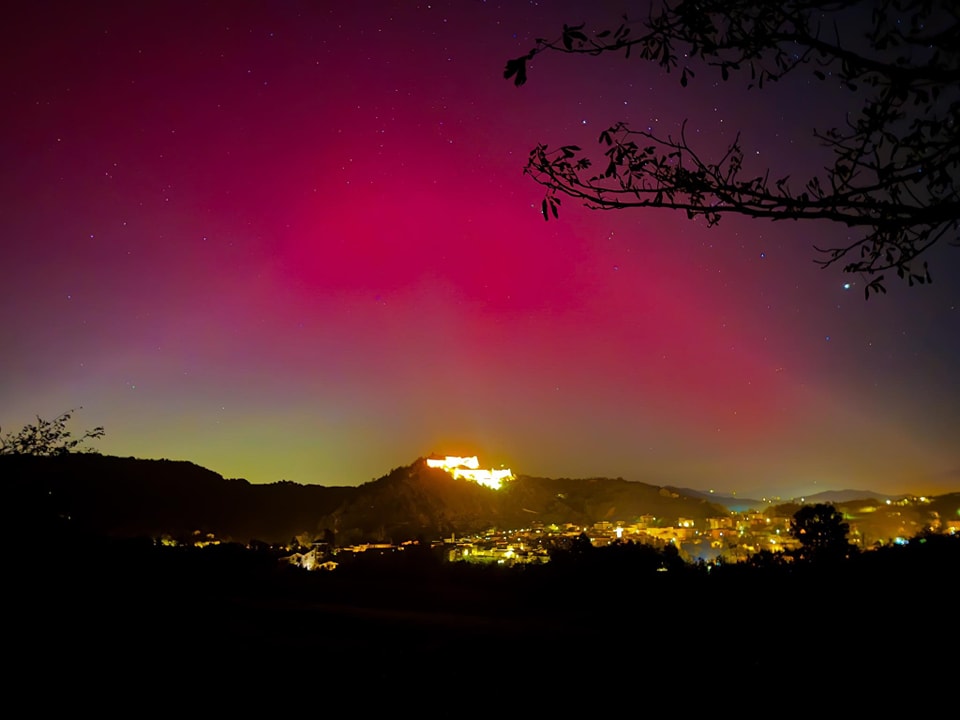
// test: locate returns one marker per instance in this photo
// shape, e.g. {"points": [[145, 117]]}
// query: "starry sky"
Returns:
{"points": [[293, 240]]}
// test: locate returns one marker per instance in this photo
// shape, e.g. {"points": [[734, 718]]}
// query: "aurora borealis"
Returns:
{"points": [[293, 241]]}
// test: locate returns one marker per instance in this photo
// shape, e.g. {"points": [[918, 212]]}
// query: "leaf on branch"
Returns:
{"points": [[571, 33], [549, 207], [517, 69], [875, 285]]}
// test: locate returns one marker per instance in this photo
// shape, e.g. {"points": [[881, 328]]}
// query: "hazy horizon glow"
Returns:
{"points": [[291, 241]]}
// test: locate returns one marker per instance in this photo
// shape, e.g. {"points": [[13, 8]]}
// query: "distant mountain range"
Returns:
{"points": [[129, 497], [738, 504], [844, 496], [731, 502]]}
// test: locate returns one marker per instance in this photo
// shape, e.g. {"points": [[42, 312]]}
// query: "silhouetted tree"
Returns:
{"points": [[821, 531], [896, 152], [671, 558], [765, 560], [47, 437], [581, 544]]}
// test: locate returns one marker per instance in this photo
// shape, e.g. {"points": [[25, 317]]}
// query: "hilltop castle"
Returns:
{"points": [[469, 469]]}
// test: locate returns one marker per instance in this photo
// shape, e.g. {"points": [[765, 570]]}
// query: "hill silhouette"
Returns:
{"points": [[129, 497], [417, 500]]}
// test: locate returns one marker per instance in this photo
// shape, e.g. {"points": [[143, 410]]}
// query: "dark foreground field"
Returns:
{"points": [[95, 621]]}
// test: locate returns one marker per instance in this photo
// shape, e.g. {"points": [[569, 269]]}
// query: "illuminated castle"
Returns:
{"points": [[469, 468]]}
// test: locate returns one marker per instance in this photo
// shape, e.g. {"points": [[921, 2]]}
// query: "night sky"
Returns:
{"points": [[293, 240]]}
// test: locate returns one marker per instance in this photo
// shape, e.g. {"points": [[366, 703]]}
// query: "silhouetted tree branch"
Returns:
{"points": [[896, 159], [47, 437]]}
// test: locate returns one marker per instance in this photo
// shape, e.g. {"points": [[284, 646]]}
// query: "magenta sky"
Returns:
{"points": [[292, 240]]}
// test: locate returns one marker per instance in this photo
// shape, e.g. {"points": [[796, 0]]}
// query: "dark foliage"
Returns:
{"points": [[47, 437], [896, 153], [821, 531]]}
